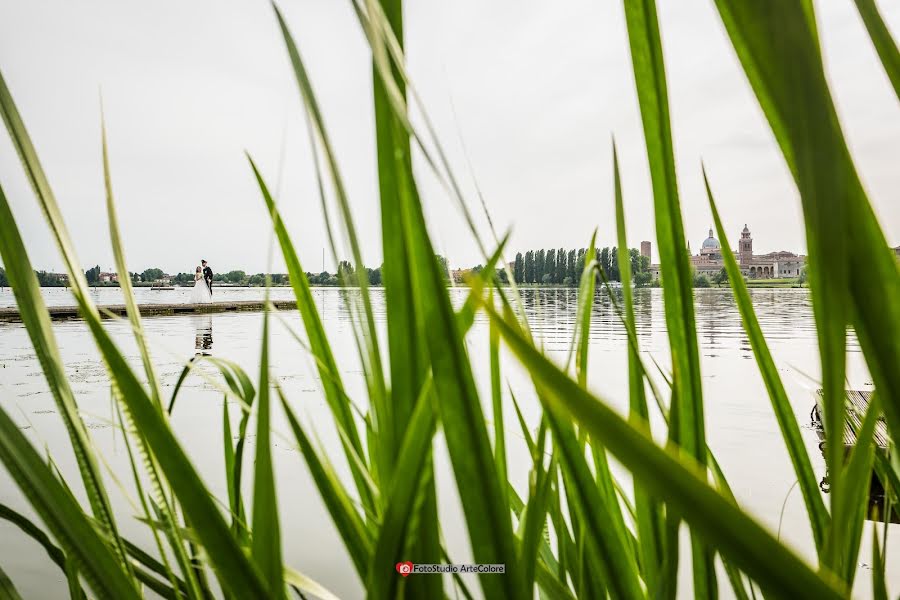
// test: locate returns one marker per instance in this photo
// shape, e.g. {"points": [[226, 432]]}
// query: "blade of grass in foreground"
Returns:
{"points": [[400, 511], [266, 531], [819, 518], [160, 496], [648, 510], [688, 428], [61, 514], [353, 532], [858, 284], [318, 342], [675, 481], [7, 589], [484, 503], [36, 319], [881, 38], [235, 572]]}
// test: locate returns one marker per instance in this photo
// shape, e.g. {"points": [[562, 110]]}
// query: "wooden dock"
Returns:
{"points": [[59, 313], [857, 403]]}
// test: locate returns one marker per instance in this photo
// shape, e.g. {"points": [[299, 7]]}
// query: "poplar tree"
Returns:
{"points": [[539, 259], [519, 268], [550, 264]]}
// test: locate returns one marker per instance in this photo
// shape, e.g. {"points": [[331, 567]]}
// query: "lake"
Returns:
{"points": [[741, 427]]}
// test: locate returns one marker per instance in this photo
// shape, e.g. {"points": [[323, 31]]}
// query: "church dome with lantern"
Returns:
{"points": [[710, 243]]}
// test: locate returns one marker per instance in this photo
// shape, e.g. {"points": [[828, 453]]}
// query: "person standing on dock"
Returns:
{"points": [[207, 275]]}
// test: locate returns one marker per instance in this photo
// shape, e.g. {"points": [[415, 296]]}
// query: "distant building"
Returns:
{"points": [[645, 249], [108, 277], [774, 265]]}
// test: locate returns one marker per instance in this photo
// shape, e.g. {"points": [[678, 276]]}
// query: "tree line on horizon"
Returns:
{"points": [[564, 267]]}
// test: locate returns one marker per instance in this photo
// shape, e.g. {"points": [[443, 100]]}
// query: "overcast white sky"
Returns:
{"points": [[538, 89]]}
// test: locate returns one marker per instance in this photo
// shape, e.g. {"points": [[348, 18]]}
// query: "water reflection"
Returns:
{"points": [[203, 339]]}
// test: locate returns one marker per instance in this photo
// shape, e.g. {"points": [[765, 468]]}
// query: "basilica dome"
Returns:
{"points": [[710, 243]]}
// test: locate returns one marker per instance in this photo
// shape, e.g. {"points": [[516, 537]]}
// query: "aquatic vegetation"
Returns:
{"points": [[575, 532]]}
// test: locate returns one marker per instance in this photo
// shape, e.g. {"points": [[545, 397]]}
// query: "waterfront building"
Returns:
{"points": [[774, 265]]}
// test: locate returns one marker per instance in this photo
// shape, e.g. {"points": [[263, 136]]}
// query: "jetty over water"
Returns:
{"points": [[857, 403], [59, 313]]}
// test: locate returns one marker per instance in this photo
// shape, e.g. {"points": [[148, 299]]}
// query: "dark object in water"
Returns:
{"points": [[857, 404]]}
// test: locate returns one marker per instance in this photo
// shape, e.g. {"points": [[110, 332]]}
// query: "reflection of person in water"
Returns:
{"points": [[203, 340]]}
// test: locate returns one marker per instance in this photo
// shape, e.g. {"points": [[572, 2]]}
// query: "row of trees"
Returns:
{"points": [[564, 267], [44, 278]]}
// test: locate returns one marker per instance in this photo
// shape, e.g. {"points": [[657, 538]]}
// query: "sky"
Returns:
{"points": [[525, 96]]}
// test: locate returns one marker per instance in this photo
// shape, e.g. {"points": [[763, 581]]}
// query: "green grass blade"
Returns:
{"points": [[648, 511], [879, 587], [306, 585], [266, 546], [533, 524], [318, 341], [551, 585], [349, 524], [372, 355], [134, 315], [595, 514], [63, 517], [497, 402], [881, 38], [784, 413], [798, 105], [409, 361], [855, 493], [650, 80], [400, 511], [7, 589], [36, 319], [484, 503], [675, 480]]}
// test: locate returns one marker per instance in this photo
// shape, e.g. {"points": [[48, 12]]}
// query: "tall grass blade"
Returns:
{"points": [[371, 355], [81, 542], [318, 342], [687, 400], [160, 495], [881, 38], [677, 481], [36, 319], [595, 514], [266, 531], [400, 512], [648, 511], [350, 526], [859, 287], [855, 494], [408, 353], [819, 518]]}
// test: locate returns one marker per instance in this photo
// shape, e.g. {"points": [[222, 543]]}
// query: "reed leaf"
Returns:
{"points": [[674, 479], [350, 526], [266, 547], [881, 38], [400, 511], [36, 319], [819, 518], [318, 341], [859, 287], [687, 400], [76, 534], [649, 517]]}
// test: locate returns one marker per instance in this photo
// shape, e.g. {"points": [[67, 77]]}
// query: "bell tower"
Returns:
{"points": [[745, 247]]}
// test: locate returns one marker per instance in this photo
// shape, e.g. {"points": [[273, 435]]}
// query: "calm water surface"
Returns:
{"points": [[741, 428]]}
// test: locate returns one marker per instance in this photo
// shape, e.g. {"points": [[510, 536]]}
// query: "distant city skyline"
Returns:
{"points": [[529, 97]]}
